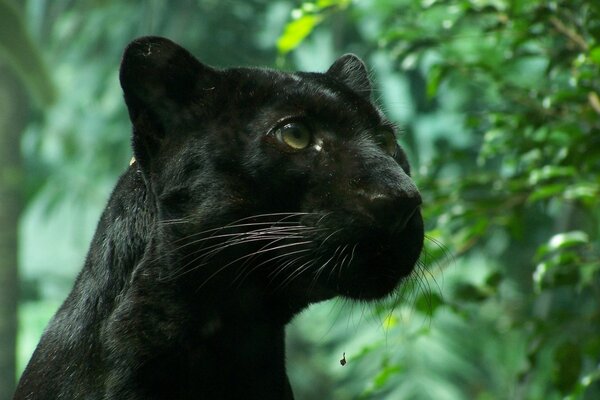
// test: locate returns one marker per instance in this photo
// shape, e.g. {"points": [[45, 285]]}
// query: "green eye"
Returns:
{"points": [[387, 141], [295, 135]]}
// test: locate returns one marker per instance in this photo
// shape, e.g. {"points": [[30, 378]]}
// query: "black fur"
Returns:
{"points": [[222, 230]]}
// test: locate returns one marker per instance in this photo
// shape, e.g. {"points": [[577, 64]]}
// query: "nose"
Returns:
{"points": [[393, 211]]}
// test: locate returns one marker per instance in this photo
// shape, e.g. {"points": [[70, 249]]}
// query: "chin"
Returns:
{"points": [[373, 278], [366, 262], [375, 273]]}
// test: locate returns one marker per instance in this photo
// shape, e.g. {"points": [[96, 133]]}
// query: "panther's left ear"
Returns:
{"points": [[162, 83], [350, 70]]}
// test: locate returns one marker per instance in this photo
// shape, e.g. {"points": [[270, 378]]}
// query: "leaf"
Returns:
{"points": [[390, 321], [546, 192], [333, 3], [539, 274], [550, 172], [595, 55], [567, 366], [568, 239], [296, 31], [586, 191], [428, 302], [434, 78], [469, 292], [589, 273], [384, 375]]}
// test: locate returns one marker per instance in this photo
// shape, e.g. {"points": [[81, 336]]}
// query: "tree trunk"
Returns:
{"points": [[14, 109]]}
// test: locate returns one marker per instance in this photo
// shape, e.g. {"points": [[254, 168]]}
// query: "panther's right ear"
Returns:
{"points": [[162, 82], [351, 71]]}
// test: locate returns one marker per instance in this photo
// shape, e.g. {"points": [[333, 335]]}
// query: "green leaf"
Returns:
{"points": [[586, 191], [546, 192], [539, 275], [469, 292], [568, 239], [567, 366], [595, 55], [384, 375], [428, 302], [296, 31], [589, 273], [434, 78], [551, 172], [333, 3]]}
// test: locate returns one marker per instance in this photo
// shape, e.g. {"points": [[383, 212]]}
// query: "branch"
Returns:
{"points": [[570, 33]]}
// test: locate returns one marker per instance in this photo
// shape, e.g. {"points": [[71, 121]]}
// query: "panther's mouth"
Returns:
{"points": [[366, 262], [322, 254]]}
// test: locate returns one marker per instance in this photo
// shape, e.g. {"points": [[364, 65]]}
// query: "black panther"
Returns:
{"points": [[253, 193]]}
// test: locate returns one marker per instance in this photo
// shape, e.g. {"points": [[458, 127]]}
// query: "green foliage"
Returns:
{"points": [[500, 106], [516, 202], [304, 20], [17, 48]]}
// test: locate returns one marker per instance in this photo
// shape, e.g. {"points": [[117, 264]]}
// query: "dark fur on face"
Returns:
{"points": [[254, 193]]}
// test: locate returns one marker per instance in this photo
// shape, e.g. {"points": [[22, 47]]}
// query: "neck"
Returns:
{"points": [[121, 239], [205, 342]]}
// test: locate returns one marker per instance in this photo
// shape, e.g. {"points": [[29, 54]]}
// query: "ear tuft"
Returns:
{"points": [[351, 71]]}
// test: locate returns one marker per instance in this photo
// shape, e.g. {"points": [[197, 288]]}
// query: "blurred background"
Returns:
{"points": [[499, 104]]}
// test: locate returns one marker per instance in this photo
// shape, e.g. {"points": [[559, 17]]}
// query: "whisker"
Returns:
{"points": [[271, 231], [254, 268], [337, 261], [329, 236], [344, 260], [260, 231], [284, 215], [175, 221], [217, 248], [291, 277], [322, 267], [294, 231], [215, 230], [281, 268], [249, 255], [243, 236]]}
